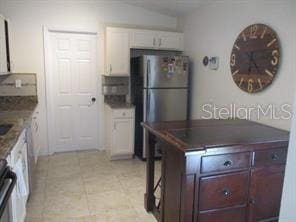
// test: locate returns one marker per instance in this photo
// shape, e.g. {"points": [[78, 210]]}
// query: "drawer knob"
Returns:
{"points": [[123, 114], [226, 192], [274, 157], [252, 201], [227, 163]]}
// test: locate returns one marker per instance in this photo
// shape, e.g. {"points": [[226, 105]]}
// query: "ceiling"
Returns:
{"points": [[168, 7]]}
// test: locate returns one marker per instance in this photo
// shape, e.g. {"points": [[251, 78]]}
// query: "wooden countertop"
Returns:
{"points": [[196, 135]]}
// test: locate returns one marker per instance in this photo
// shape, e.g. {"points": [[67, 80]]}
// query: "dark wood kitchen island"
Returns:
{"points": [[216, 171]]}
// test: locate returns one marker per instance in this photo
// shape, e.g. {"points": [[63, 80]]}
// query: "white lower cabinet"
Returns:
{"points": [[35, 135], [119, 132], [18, 161]]}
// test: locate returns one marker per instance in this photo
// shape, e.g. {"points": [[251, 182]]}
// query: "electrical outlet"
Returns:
{"points": [[18, 83]]}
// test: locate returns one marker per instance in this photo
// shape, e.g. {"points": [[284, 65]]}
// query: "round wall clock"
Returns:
{"points": [[255, 58]]}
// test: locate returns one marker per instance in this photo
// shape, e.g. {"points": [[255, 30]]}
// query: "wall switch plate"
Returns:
{"points": [[214, 63], [18, 83]]}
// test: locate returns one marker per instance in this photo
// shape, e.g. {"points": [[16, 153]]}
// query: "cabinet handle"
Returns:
{"points": [[274, 157], [160, 42], [226, 192], [227, 163], [110, 68], [114, 126], [252, 201], [154, 41]]}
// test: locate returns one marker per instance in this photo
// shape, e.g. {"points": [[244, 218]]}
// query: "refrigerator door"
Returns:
{"points": [[165, 71], [163, 105], [166, 104]]}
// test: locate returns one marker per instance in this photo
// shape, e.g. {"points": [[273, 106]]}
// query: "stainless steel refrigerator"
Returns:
{"points": [[159, 91]]}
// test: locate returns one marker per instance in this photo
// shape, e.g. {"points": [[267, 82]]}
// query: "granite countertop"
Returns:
{"points": [[17, 112]]}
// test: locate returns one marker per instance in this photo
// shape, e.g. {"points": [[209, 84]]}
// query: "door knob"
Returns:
{"points": [[93, 100]]}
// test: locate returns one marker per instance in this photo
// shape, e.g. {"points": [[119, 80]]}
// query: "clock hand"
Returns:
{"points": [[255, 64], [249, 68]]}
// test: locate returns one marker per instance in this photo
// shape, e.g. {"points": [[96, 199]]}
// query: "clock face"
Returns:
{"points": [[255, 58]]}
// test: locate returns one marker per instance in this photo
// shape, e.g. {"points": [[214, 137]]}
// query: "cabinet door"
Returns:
{"points": [[108, 127], [3, 59], [117, 52], [170, 41], [265, 193], [143, 39], [122, 138], [35, 136]]}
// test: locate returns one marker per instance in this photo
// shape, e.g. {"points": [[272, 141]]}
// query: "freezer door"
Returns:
{"points": [[165, 71], [166, 104]]}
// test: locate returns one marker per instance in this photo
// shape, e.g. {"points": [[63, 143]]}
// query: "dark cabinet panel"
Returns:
{"points": [[217, 171], [225, 162], [265, 193], [270, 157], [236, 215], [224, 191]]}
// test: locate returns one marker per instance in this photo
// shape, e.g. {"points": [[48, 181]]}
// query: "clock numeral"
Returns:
{"points": [[232, 61], [263, 33], [253, 32], [275, 59], [237, 47], [244, 36], [236, 72], [241, 82], [260, 83], [250, 85], [271, 42], [269, 73]]}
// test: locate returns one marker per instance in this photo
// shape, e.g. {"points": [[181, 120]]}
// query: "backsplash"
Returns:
{"points": [[28, 85], [115, 85], [115, 99], [9, 103]]}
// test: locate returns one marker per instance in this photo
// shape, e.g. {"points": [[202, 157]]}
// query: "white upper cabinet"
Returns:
{"points": [[117, 52], [143, 39], [119, 41], [170, 41], [3, 57], [159, 40]]}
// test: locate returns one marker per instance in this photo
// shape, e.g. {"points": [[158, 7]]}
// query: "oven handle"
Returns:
{"points": [[6, 196]]}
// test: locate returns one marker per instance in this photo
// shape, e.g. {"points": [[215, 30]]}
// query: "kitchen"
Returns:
{"points": [[33, 27]]}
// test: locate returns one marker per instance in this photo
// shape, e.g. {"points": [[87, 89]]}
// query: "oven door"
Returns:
{"points": [[7, 185]]}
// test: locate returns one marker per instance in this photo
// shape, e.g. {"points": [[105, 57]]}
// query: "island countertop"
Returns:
{"points": [[195, 135]]}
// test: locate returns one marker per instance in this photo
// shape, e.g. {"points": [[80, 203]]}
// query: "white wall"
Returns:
{"points": [[212, 30], [27, 17], [288, 212]]}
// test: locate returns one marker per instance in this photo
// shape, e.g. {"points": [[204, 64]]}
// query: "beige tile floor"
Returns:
{"points": [[87, 187]]}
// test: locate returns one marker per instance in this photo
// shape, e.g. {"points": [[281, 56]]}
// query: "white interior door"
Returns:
{"points": [[73, 65]]}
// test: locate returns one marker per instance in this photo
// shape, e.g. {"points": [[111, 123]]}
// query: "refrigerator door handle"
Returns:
{"points": [[148, 106], [148, 72]]}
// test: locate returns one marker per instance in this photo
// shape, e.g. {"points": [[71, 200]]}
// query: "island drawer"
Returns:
{"points": [[235, 214], [270, 157], [225, 162], [223, 191]]}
